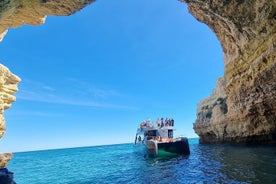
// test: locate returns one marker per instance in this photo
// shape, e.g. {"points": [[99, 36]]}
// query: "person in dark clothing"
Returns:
{"points": [[162, 123], [172, 121], [6, 177]]}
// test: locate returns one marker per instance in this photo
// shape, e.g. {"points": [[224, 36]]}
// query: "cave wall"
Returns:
{"points": [[242, 107], [8, 87], [245, 109]]}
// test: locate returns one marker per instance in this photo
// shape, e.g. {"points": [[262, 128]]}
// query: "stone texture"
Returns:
{"points": [[8, 86], [245, 111], [4, 159], [211, 114]]}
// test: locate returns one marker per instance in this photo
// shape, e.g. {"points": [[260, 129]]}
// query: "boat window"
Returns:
{"points": [[170, 133], [152, 133]]}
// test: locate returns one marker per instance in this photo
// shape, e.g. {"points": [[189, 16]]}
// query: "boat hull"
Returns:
{"points": [[178, 147], [158, 141], [152, 147]]}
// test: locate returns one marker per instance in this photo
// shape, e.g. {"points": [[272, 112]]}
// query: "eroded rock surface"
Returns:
{"points": [[8, 86], [245, 111], [4, 159]]}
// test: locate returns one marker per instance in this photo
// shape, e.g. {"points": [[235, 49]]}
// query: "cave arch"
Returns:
{"points": [[246, 31]]}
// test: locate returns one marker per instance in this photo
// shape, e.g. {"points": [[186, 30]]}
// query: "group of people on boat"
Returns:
{"points": [[160, 122], [167, 122]]}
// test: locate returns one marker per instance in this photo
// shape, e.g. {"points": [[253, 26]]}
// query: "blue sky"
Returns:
{"points": [[91, 78]]}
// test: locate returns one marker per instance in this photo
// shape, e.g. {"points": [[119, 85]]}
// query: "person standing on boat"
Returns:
{"points": [[169, 122], [166, 122], [172, 122], [149, 123], [158, 122], [162, 122]]}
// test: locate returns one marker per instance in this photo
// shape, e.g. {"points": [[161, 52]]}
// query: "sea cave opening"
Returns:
{"points": [[88, 79]]}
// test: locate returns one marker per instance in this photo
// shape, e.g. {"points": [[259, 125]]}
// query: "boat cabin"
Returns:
{"points": [[159, 139], [164, 134]]}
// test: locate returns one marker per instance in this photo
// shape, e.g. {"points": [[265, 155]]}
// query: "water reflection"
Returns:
{"points": [[236, 164], [121, 164], [213, 164], [248, 164]]}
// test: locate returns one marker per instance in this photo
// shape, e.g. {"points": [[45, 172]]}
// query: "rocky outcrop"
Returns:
{"points": [[242, 109], [4, 159], [8, 86], [211, 114], [15, 13]]}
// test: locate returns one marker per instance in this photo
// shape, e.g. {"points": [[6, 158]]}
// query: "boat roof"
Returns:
{"points": [[148, 125], [149, 128]]}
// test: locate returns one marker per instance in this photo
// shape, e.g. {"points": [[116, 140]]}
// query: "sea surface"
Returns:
{"points": [[122, 164]]}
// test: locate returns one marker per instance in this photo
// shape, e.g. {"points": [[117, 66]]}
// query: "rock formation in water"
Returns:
{"points": [[8, 86], [242, 108], [4, 159]]}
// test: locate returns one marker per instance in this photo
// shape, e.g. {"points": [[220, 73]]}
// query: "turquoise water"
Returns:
{"points": [[121, 164]]}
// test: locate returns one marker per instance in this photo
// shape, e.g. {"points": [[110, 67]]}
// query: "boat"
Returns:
{"points": [[159, 139]]}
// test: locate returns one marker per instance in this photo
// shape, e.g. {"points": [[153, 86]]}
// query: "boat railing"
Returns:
{"points": [[160, 123], [160, 139], [156, 127]]}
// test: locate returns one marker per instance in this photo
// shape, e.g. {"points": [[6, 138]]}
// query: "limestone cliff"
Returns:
{"points": [[211, 114], [242, 108], [244, 111], [8, 86]]}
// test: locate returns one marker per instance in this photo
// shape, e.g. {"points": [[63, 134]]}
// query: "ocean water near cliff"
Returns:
{"points": [[121, 164]]}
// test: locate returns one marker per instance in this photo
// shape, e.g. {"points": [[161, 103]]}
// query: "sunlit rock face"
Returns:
{"points": [[15, 13], [4, 159], [242, 108], [8, 86]]}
